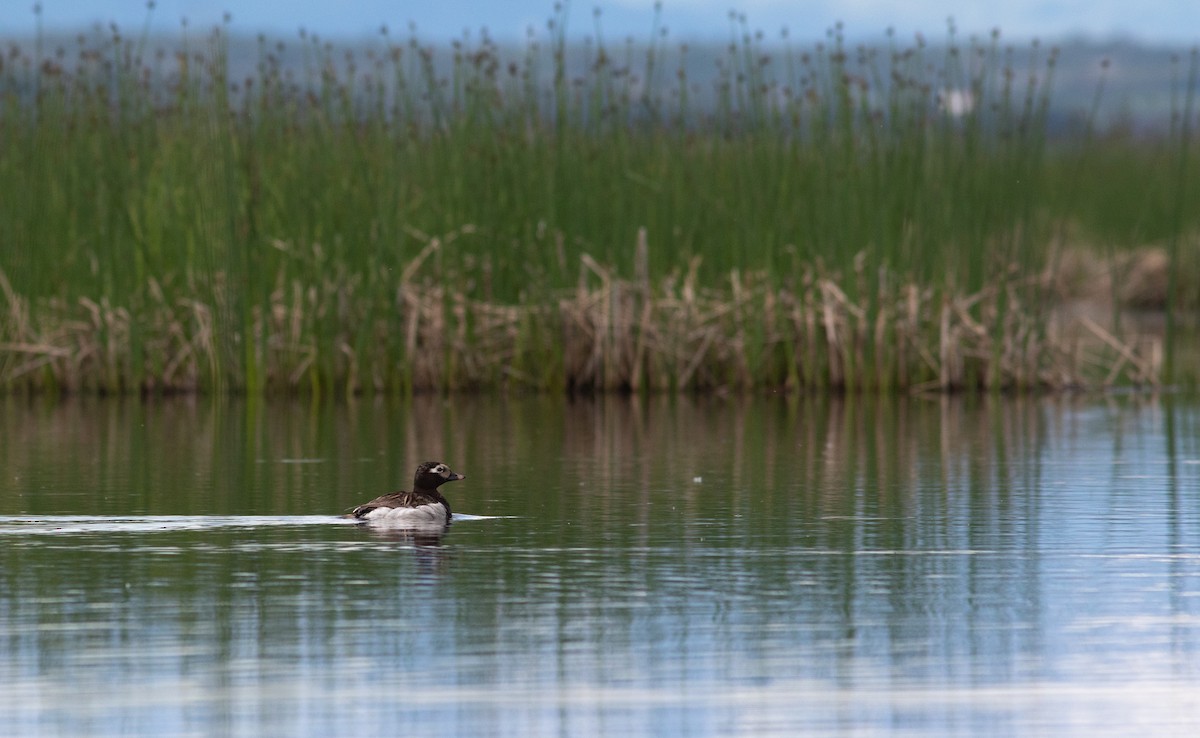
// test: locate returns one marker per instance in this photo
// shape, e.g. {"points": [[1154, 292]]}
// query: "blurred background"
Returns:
{"points": [[1165, 21]]}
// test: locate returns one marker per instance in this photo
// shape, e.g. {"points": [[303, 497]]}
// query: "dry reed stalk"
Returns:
{"points": [[608, 334], [810, 337], [1146, 369], [642, 271], [833, 337], [16, 321], [494, 349]]}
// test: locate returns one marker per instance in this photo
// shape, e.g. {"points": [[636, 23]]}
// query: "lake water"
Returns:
{"points": [[671, 567]]}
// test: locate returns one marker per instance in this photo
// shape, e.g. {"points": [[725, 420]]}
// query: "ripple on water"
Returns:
{"points": [[16, 525], [68, 524]]}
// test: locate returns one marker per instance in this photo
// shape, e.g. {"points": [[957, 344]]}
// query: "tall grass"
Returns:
{"points": [[317, 213]]}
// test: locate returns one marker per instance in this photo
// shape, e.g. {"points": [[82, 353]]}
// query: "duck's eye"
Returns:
{"points": [[439, 469]]}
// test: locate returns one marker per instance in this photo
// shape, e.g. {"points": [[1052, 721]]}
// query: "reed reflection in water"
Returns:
{"points": [[666, 566]]}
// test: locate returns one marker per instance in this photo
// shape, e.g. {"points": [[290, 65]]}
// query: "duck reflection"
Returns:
{"points": [[423, 536]]}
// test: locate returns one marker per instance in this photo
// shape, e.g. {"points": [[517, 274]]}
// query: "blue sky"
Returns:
{"points": [[1176, 21]]}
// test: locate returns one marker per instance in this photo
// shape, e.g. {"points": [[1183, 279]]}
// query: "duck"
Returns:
{"points": [[424, 505]]}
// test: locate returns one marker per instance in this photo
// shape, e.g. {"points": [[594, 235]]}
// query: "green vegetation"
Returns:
{"points": [[565, 217]]}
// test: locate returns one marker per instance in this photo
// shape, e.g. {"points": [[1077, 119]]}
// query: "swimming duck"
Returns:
{"points": [[424, 505]]}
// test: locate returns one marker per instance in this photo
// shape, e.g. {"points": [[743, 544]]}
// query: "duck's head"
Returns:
{"points": [[433, 474]]}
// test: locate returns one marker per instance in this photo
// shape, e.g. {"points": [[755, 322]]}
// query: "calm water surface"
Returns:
{"points": [[666, 567]]}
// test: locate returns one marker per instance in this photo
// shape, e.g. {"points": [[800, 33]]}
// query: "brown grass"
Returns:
{"points": [[607, 334]]}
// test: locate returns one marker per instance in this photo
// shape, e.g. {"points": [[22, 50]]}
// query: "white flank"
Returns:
{"points": [[424, 514]]}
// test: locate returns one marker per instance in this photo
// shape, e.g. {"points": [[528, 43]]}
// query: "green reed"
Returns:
{"points": [[320, 179]]}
